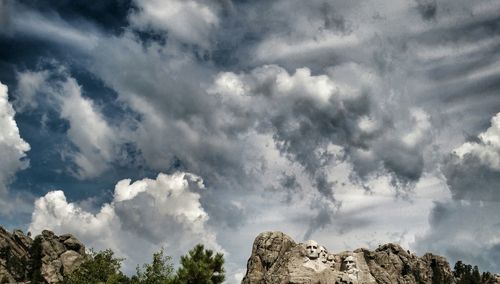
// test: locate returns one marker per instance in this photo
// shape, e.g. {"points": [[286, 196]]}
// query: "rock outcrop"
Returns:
{"points": [[45, 259], [277, 258]]}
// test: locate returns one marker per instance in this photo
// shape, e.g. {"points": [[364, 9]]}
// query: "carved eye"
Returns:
{"points": [[315, 247], [308, 247]]}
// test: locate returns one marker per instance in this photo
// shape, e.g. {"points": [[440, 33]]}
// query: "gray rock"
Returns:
{"points": [[45, 259], [14, 256], [51, 270], [72, 243], [276, 258], [71, 260]]}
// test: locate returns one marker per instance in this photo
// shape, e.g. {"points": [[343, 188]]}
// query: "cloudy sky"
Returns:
{"points": [[136, 124]]}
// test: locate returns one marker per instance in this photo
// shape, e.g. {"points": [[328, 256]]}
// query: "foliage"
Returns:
{"points": [[466, 274], [487, 278], [99, 267], [160, 271], [201, 266]]}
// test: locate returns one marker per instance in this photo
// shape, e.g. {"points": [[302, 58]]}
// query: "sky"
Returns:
{"points": [[141, 124]]}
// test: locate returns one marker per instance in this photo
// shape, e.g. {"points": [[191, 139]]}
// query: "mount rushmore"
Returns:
{"points": [[277, 258]]}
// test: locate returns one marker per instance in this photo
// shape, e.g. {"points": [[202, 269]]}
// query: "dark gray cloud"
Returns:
{"points": [[473, 170], [470, 179], [372, 93], [464, 227], [5, 7], [108, 15], [427, 8], [464, 231]]}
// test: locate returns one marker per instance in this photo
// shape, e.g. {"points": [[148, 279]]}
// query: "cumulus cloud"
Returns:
{"points": [[88, 131], [95, 141], [189, 21], [12, 152], [143, 216], [306, 114], [464, 228], [318, 121], [473, 169]]}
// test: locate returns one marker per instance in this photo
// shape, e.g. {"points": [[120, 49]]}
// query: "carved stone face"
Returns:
{"points": [[349, 263], [312, 249], [330, 260], [322, 253]]}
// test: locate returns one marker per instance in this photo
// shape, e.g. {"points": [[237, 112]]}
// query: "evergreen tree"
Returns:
{"points": [[487, 278], [99, 267], [459, 269], [160, 271], [476, 276], [201, 266]]}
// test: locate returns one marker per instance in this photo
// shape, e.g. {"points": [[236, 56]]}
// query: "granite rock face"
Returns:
{"points": [[277, 258], [45, 259]]}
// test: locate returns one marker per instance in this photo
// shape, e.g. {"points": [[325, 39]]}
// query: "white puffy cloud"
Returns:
{"points": [[189, 21], [465, 228], [307, 114], [487, 148], [12, 152], [94, 139], [473, 169], [143, 216], [88, 131]]}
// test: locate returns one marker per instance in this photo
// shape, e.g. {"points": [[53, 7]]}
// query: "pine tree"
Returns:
{"points": [[476, 276], [487, 278], [100, 267], [201, 266], [459, 269], [160, 271]]}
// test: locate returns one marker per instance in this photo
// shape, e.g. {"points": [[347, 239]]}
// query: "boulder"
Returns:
{"points": [[72, 243]]}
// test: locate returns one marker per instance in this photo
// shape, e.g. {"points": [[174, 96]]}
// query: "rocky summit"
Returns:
{"points": [[47, 258], [277, 258]]}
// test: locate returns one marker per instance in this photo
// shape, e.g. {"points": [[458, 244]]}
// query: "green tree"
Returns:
{"points": [[487, 278], [159, 271], [201, 266], [459, 269], [99, 267], [476, 276]]}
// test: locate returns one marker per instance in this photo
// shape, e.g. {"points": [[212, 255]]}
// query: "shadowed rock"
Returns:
{"points": [[45, 259]]}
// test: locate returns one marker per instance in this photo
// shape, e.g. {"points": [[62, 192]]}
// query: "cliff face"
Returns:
{"points": [[276, 258], [44, 259]]}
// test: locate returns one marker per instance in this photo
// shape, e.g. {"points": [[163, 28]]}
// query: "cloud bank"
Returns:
{"points": [[143, 216]]}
